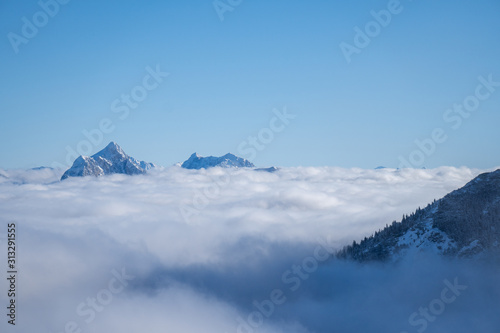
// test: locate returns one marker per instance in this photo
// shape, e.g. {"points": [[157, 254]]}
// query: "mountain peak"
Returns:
{"points": [[112, 159], [111, 151], [230, 156], [113, 146], [229, 160]]}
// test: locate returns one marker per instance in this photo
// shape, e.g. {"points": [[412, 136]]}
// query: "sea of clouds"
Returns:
{"points": [[231, 250]]}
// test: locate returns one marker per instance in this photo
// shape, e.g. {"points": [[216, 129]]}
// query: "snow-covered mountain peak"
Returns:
{"points": [[229, 160], [111, 159], [111, 152]]}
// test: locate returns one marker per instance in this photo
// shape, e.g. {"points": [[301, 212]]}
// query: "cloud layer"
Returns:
{"points": [[203, 247]]}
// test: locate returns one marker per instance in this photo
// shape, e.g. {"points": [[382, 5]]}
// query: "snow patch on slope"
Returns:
{"points": [[423, 237]]}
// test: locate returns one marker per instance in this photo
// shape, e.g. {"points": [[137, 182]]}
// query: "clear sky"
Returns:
{"points": [[362, 86]]}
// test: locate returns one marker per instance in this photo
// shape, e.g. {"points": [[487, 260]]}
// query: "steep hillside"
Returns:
{"points": [[463, 223]]}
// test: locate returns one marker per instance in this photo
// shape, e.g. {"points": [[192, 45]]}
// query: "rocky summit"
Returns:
{"points": [[196, 161], [112, 159]]}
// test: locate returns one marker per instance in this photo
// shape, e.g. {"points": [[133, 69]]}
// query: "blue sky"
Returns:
{"points": [[227, 76]]}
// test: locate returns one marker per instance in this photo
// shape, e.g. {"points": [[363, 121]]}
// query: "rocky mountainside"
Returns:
{"points": [[112, 159], [196, 161], [465, 222]]}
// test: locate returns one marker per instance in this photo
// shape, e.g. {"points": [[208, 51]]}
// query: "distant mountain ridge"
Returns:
{"points": [[229, 160], [465, 222], [110, 160]]}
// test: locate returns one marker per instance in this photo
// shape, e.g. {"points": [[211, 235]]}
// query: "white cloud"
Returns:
{"points": [[202, 273]]}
